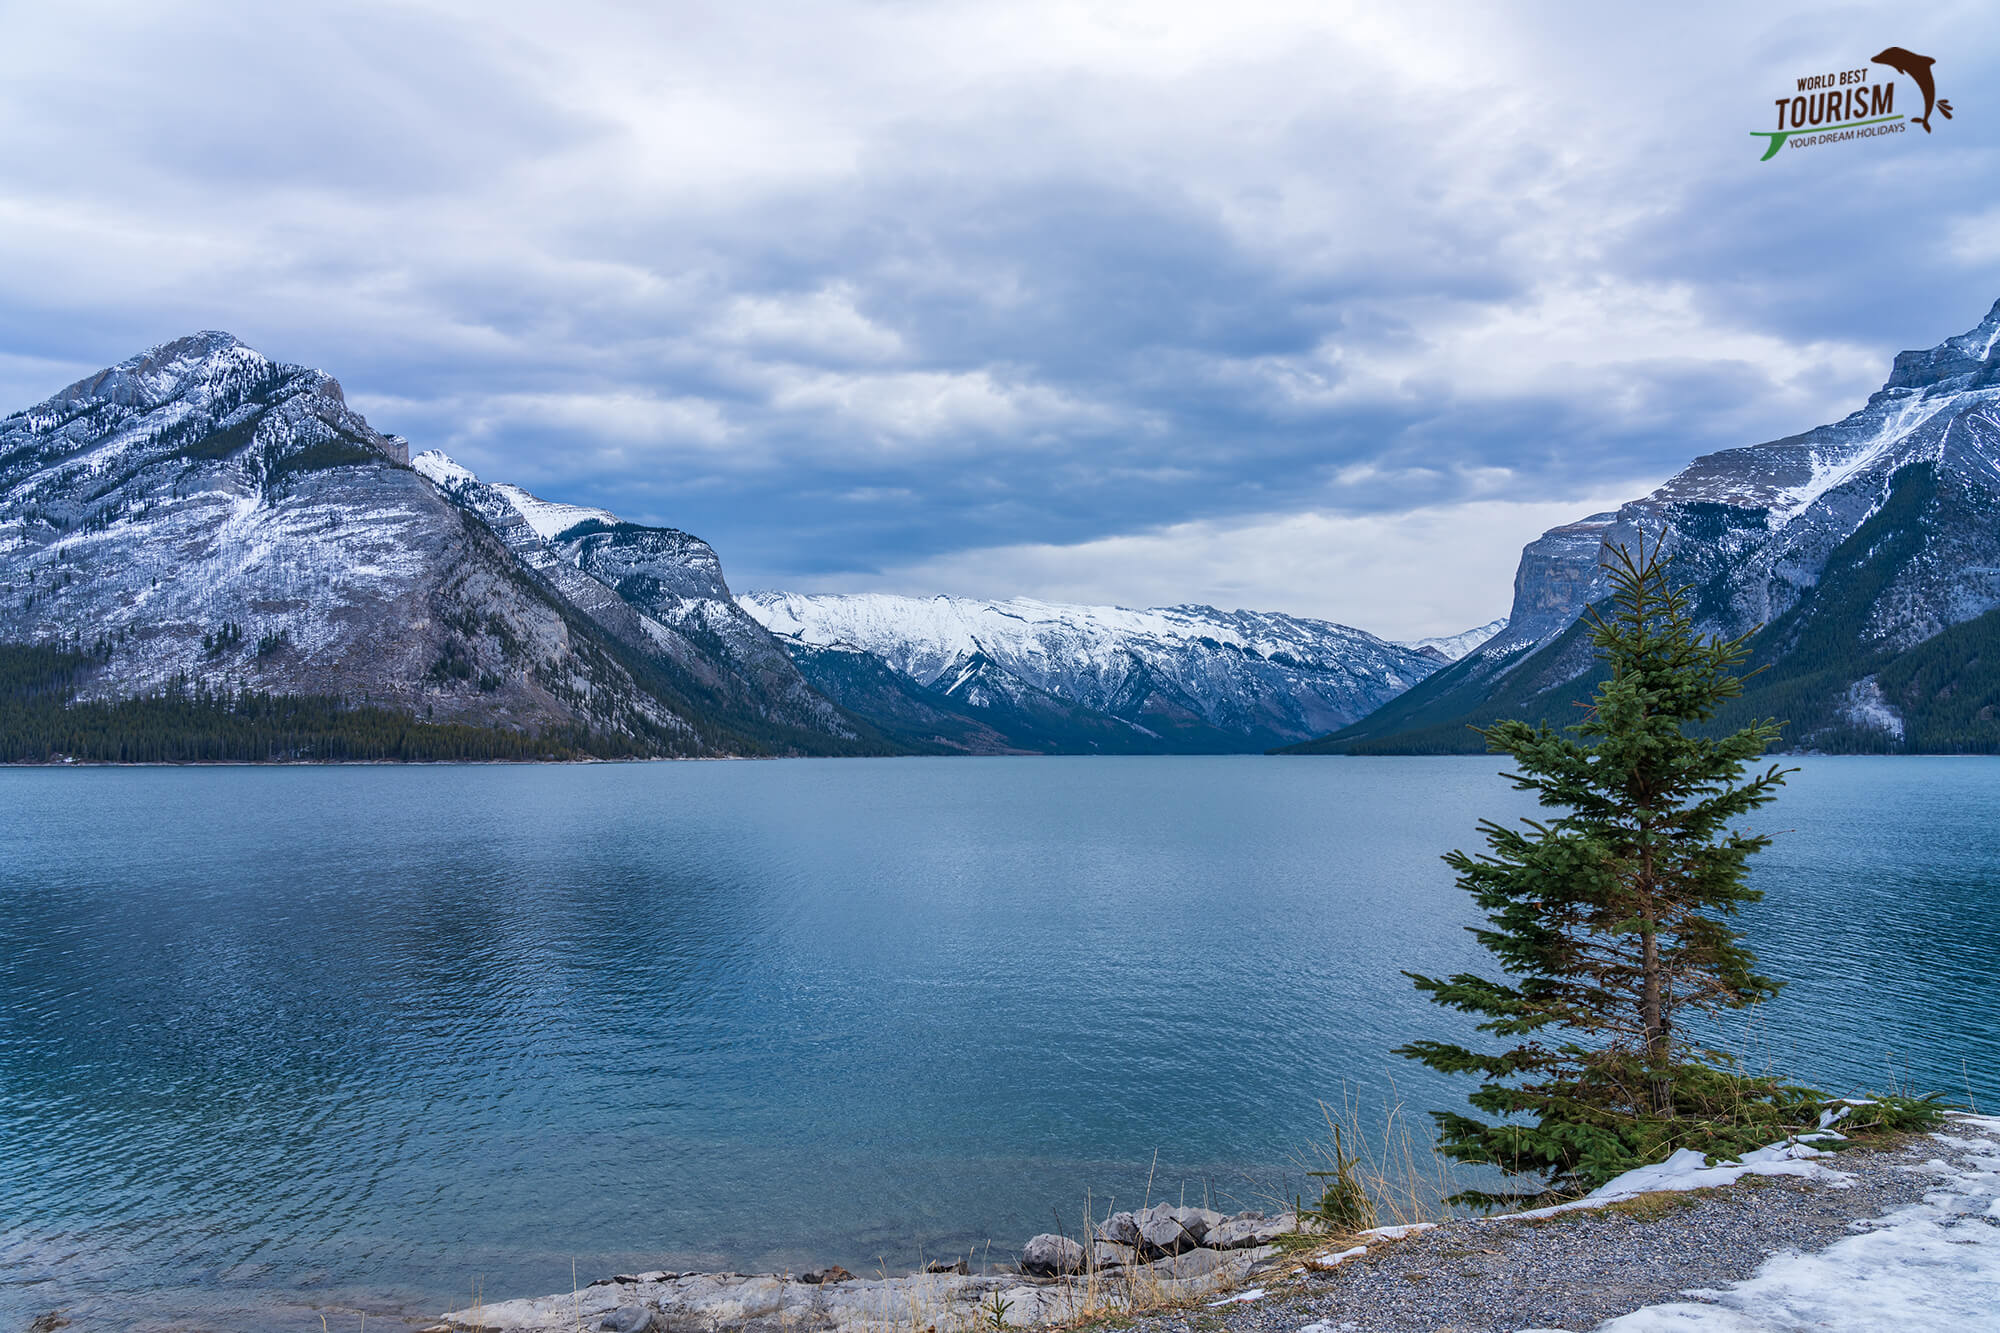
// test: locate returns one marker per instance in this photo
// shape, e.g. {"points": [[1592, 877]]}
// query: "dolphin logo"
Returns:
{"points": [[1919, 69]]}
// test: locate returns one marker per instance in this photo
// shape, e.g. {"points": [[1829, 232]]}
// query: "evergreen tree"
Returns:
{"points": [[1612, 918]]}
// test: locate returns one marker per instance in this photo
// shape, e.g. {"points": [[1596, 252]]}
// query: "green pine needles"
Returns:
{"points": [[1612, 919]]}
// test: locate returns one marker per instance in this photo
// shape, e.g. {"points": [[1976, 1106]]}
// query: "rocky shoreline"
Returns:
{"points": [[1911, 1226], [1160, 1255]]}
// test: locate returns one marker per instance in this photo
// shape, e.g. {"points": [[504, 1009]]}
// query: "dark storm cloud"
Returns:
{"points": [[885, 295]]}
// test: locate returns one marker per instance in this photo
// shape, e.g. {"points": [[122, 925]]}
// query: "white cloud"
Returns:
{"points": [[825, 323], [921, 406]]}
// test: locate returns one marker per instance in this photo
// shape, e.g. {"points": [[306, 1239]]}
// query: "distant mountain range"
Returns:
{"points": [[1867, 550], [202, 518], [1044, 677]]}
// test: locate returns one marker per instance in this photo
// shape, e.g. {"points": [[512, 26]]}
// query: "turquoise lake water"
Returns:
{"points": [[276, 1041]]}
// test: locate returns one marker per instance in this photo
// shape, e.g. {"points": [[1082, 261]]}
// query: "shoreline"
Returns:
{"points": [[1679, 1238]]}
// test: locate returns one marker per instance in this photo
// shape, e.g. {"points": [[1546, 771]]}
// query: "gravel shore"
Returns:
{"points": [[1574, 1270]]}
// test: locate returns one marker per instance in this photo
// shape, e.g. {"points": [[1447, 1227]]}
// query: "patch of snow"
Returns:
{"points": [[1690, 1170], [1932, 1265], [1834, 468], [1323, 1262], [548, 517], [1254, 1294], [1398, 1232]]}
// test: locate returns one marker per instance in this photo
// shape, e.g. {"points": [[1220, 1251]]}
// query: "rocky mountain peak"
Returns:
{"points": [[1968, 361], [168, 371]]}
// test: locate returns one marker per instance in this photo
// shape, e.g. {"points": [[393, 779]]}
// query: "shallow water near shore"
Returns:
{"points": [[274, 1040]]}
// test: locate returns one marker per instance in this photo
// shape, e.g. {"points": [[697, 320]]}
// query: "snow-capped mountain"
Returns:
{"points": [[1451, 647], [202, 513], [1869, 549], [1181, 677]]}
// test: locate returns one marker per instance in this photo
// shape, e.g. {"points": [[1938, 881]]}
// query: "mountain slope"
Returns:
{"points": [[201, 516], [1852, 546], [1175, 679], [659, 592]]}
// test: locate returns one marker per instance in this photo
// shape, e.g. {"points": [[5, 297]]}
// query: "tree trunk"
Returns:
{"points": [[1653, 1011]]}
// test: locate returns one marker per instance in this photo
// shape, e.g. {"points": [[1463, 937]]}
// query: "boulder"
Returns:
{"points": [[1050, 1255], [1119, 1229], [1104, 1254], [1197, 1220], [1245, 1230], [941, 1266], [1162, 1232], [827, 1276], [628, 1319]]}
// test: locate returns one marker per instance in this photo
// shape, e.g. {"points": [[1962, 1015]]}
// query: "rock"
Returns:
{"points": [[827, 1276], [1161, 1232], [940, 1266], [1247, 1229], [1119, 1229], [1050, 1255], [628, 1319], [1104, 1254], [1197, 1220], [1191, 1263]]}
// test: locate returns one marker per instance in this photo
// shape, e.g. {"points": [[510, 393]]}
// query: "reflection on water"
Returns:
{"points": [[358, 1037]]}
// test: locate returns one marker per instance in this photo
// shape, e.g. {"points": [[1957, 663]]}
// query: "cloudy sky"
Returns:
{"points": [[1313, 308]]}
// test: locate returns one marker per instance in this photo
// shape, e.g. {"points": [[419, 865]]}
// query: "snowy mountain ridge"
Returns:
{"points": [[1263, 678]]}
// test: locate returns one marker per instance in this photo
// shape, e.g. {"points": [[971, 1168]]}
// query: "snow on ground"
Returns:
{"points": [[1689, 1170], [1933, 1265]]}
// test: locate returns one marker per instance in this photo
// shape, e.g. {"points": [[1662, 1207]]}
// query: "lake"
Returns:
{"points": [[275, 1041]]}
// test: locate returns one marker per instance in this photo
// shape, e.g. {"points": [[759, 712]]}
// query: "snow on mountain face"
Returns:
{"points": [[547, 517], [1264, 677], [1451, 647], [201, 512], [1755, 526]]}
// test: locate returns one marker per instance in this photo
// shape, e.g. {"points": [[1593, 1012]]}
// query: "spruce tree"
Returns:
{"points": [[1612, 919]]}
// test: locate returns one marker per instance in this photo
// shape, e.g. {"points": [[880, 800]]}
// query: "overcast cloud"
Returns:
{"points": [[1307, 307]]}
